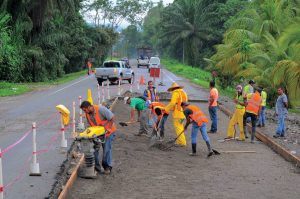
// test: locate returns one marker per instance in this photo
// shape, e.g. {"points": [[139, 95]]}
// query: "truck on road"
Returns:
{"points": [[144, 54], [113, 71]]}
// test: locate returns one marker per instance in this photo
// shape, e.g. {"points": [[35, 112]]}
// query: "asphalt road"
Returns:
{"points": [[18, 113]]}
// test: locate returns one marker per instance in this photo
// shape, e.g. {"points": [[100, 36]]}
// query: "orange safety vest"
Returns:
{"points": [[149, 93], [254, 103], [197, 116], [182, 98], [159, 105], [100, 122]]}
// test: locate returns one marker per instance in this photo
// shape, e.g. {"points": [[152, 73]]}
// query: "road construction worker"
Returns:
{"points": [[281, 110], [262, 117], [178, 96], [248, 89], [101, 116], [158, 109], [199, 121], [253, 107], [213, 107], [238, 115], [138, 104], [151, 95]]}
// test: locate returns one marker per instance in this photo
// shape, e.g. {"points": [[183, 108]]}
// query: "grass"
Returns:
{"points": [[196, 75], [10, 89]]}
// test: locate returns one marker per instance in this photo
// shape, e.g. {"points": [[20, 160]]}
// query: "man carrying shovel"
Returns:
{"points": [[199, 121], [158, 109]]}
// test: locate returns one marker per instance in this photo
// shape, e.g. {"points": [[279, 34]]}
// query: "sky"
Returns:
{"points": [[125, 23]]}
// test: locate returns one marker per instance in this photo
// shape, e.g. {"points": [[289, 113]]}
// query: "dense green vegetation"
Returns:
{"points": [[44, 39], [238, 39]]}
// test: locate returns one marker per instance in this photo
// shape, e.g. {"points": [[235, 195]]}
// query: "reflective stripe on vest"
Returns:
{"points": [[149, 93], [100, 122], [197, 116], [182, 98], [254, 103], [239, 99]]}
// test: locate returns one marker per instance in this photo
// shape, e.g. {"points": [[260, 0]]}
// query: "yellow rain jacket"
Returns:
{"points": [[178, 96]]}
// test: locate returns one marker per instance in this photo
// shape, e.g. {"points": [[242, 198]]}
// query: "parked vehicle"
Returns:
{"points": [[143, 61], [113, 70], [154, 62]]}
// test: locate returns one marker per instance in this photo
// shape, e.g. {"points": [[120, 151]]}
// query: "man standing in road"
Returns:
{"points": [[238, 115], [150, 94], [178, 96], [262, 117], [248, 89], [138, 104], [199, 121], [213, 107], [101, 116], [281, 112], [253, 108]]}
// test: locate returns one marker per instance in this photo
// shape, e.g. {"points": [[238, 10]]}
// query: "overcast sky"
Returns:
{"points": [[124, 24]]}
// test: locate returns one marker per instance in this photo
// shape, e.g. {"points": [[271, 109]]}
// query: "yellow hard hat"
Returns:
{"points": [[64, 112]]}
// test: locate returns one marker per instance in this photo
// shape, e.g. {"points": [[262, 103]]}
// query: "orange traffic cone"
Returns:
{"points": [[142, 81]]}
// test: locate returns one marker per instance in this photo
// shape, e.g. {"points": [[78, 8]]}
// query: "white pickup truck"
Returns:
{"points": [[113, 70]]}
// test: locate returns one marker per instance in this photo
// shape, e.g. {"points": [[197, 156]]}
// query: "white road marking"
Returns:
{"points": [[168, 76], [69, 85]]}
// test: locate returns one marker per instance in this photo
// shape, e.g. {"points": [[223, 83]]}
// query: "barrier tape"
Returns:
{"points": [[23, 169]]}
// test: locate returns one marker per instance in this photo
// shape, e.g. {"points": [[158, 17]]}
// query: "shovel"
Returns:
{"points": [[171, 143]]}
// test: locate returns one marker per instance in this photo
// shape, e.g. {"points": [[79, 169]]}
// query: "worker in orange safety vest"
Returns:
{"points": [[101, 116], [199, 121], [158, 109], [253, 107]]}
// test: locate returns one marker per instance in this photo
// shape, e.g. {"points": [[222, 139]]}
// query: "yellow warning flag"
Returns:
{"points": [[65, 113], [89, 96]]}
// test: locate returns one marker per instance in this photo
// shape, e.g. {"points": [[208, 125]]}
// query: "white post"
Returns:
{"points": [[131, 85], [73, 119], [119, 86], [81, 124], [63, 138], [34, 166], [1, 177], [107, 90], [103, 98], [138, 85], [99, 98]]}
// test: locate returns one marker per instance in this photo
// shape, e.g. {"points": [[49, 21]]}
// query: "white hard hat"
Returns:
{"points": [[125, 99]]}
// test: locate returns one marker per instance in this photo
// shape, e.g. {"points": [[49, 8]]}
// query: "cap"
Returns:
{"points": [[251, 82], [126, 99], [174, 87]]}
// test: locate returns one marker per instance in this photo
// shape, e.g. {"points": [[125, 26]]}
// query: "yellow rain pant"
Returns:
{"points": [[179, 127], [237, 118]]}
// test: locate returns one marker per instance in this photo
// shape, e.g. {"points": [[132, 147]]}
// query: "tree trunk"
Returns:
{"points": [[183, 51]]}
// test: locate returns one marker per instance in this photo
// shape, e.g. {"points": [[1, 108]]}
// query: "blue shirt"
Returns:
{"points": [[280, 108]]}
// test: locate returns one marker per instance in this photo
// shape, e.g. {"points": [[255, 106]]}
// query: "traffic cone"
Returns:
{"points": [[142, 81], [89, 96]]}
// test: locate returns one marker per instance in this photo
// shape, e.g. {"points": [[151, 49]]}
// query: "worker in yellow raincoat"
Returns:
{"points": [[238, 115], [178, 96]]}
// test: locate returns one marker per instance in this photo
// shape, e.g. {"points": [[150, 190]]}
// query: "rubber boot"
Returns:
{"points": [[194, 150], [246, 131], [210, 152]]}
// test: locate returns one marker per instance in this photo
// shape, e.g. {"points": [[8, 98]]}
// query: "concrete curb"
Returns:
{"points": [[64, 193]]}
